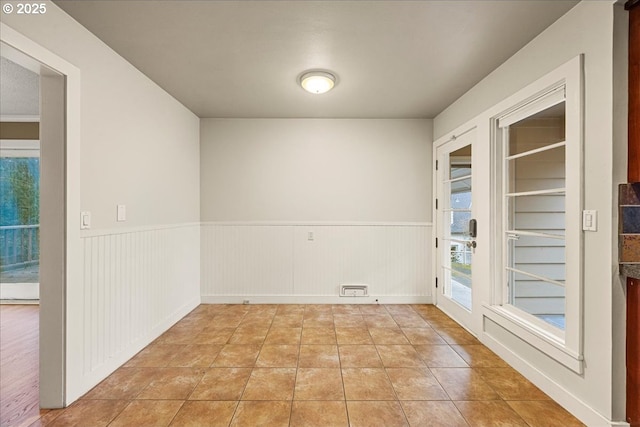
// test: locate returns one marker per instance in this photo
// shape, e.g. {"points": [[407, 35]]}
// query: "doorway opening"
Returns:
{"points": [[19, 183], [32, 238]]}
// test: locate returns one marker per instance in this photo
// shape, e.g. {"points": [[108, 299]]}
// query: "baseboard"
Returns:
{"points": [[19, 291], [571, 403], [315, 299]]}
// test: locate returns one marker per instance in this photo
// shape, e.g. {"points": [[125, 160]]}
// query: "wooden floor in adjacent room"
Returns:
{"points": [[19, 364], [289, 365]]}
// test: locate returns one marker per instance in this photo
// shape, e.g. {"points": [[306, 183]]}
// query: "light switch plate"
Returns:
{"points": [[590, 220], [122, 213], [85, 220]]}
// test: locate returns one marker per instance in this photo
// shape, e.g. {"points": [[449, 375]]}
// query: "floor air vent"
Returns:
{"points": [[354, 290]]}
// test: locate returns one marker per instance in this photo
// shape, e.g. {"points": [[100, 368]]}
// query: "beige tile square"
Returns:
{"points": [[367, 384], [544, 413], [289, 336], [423, 336], [205, 413], [221, 384], [479, 356], [387, 336], [227, 320], [237, 355], [123, 384], [278, 356], [214, 336], [319, 384], [262, 414], [510, 384], [441, 356], [325, 335], [359, 356], [382, 320], [270, 384], [349, 321], [319, 356], [433, 414], [376, 414], [415, 384], [147, 413], [195, 356], [440, 321], [290, 309], [248, 335], [315, 309], [399, 356], [373, 309], [179, 335], [287, 321], [410, 321], [257, 320], [345, 309], [318, 320], [490, 413], [86, 412], [172, 383], [351, 336], [154, 356], [319, 414], [457, 335], [464, 384]]}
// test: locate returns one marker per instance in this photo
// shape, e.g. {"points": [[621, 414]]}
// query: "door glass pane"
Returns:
{"points": [[456, 215], [534, 239]]}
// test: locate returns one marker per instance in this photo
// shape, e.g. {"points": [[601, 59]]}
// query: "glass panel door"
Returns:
{"points": [[456, 228]]}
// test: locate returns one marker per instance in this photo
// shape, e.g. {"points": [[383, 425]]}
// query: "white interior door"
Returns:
{"points": [[456, 229]]}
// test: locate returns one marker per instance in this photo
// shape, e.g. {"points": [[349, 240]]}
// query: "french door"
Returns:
{"points": [[456, 229]]}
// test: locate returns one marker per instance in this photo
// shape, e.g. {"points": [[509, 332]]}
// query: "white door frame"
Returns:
{"points": [[60, 367]]}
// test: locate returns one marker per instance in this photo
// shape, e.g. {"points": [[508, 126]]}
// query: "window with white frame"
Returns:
{"points": [[538, 172]]}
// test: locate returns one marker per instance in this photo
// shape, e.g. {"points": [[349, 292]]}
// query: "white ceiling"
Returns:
{"points": [[20, 89], [394, 59]]}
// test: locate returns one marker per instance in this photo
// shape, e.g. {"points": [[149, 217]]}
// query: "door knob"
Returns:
{"points": [[472, 244]]}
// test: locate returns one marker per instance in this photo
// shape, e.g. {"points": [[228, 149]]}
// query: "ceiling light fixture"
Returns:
{"points": [[317, 81]]}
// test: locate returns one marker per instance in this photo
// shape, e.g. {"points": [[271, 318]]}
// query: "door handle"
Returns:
{"points": [[472, 244]]}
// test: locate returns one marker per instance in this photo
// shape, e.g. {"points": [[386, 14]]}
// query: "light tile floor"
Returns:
{"points": [[314, 365]]}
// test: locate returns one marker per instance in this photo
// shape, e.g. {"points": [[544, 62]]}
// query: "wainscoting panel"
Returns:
{"points": [[137, 283], [307, 263]]}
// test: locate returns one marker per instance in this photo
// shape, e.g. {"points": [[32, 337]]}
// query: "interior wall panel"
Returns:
{"points": [[301, 263], [137, 283]]}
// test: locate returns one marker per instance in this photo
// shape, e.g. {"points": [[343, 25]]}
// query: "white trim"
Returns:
{"points": [[133, 229], [315, 299], [546, 99], [536, 336], [563, 83], [20, 291], [321, 223], [19, 118], [562, 396], [65, 340]]}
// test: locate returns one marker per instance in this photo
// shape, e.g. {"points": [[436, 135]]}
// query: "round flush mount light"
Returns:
{"points": [[317, 81]]}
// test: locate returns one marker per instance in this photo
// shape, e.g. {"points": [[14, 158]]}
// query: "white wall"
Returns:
{"points": [[269, 263], [138, 147], [587, 29], [362, 187], [316, 170]]}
